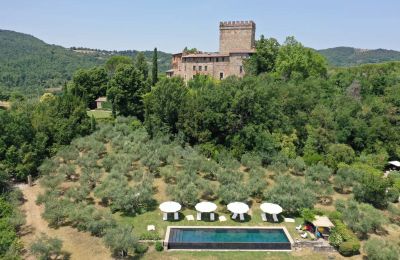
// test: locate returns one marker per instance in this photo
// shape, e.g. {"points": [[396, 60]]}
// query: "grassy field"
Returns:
{"points": [[140, 222], [100, 114], [239, 255]]}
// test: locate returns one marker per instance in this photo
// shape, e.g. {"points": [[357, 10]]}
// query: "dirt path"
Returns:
{"points": [[81, 245]]}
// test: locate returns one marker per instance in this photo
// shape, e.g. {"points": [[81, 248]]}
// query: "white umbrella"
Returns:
{"points": [[238, 207], [271, 208], [170, 207], [206, 206]]}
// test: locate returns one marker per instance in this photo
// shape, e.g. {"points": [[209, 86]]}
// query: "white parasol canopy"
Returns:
{"points": [[271, 208], [170, 207], [238, 207], [205, 206]]}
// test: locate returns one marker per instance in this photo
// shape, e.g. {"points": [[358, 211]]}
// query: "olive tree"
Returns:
{"points": [[291, 194], [120, 239]]}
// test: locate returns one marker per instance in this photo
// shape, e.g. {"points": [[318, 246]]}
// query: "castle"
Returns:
{"points": [[236, 43]]}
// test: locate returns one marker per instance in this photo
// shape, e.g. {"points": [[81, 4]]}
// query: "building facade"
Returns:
{"points": [[236, 43]]}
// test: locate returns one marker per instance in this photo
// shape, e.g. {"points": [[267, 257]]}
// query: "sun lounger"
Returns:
{"points": [[298, 227], [176, 216], [190, 217], [165, 217], [234, 216], [275, 218], [241, 217], [304, 235], [198, 216], [212, 216], [264, 217]]}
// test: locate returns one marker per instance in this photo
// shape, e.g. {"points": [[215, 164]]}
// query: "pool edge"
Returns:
{"points": [[291, 241]]}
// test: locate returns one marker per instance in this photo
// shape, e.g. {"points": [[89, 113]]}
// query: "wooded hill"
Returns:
{"points": [[348, 56], [29, 63]]}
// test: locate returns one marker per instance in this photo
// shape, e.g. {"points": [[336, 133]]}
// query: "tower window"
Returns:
{"points": [[200, 68], [205, 68], [221, 75], [194, 67], [217, 59], [241, 69]]}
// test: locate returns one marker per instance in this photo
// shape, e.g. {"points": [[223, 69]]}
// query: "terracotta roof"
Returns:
{"points": [[205, 55]]}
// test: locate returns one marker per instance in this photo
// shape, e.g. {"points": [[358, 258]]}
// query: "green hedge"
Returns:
{"points": [[344, 239]]}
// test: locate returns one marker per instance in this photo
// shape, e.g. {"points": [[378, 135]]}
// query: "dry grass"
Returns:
{"points": [[81, 245]]}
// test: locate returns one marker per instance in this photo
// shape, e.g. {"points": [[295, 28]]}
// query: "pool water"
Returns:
{"points": [[228, 238], [229, 235]]}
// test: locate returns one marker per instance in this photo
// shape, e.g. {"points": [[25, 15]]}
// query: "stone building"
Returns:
{"points": [[236, 43]]}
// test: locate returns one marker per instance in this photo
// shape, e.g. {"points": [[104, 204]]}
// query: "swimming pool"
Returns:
{"points": [[228, 238]]}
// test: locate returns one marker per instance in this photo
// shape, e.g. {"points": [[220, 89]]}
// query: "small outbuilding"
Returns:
{"points": [[394, 165], [323, 226], [100, 101]]}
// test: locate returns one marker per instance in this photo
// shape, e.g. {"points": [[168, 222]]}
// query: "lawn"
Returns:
{"points": [[140, 222], [100, 114], [232, 255]]}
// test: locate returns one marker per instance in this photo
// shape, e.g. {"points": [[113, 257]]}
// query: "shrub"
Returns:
{"points": [[251, 160], [349, 248], [159, 247], [379, 249], [149, 236], [297, 166], [308, 215], [47, 248], [343, 239], [141, 248]]}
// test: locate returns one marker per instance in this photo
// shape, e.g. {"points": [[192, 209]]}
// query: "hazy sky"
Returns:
{"points": [[171, 25]]}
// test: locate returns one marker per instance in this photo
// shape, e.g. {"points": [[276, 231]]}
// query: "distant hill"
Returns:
{"points": [[348, 56], [28, 63]]}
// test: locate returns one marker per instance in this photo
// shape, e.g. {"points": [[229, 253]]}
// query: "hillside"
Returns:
{"points": [[29, 63], [348, 56]]}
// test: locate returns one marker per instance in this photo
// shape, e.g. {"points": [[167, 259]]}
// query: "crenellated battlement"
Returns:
{"points": [[236, 24], [236, 36]]}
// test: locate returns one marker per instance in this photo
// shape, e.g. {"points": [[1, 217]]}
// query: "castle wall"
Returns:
{"points": [[237, 42]]}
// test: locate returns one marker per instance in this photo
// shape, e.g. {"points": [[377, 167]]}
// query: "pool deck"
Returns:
{"points": [[167, 234]]}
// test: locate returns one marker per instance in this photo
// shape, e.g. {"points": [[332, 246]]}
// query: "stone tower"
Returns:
{"points": [[236, 36]]}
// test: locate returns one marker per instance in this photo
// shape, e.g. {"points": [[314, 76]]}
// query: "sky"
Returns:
{"points": [[170, 25]]}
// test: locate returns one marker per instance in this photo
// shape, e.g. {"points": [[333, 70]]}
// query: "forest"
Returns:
{"points": [[29, 65], [293, 131]]}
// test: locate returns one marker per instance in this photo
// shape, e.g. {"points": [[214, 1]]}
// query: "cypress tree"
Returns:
{"points": [[154, 73]]}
